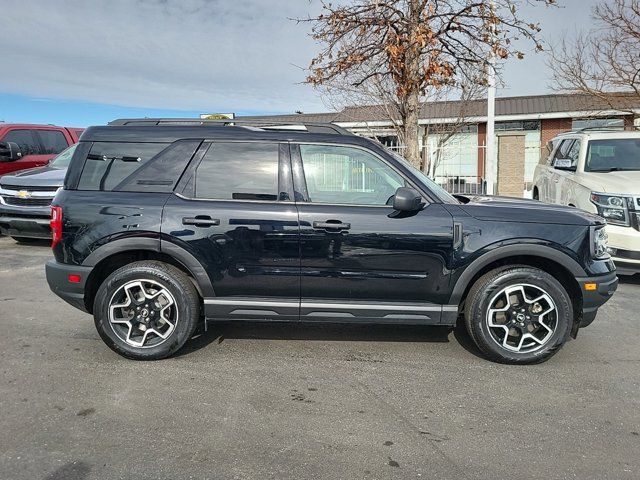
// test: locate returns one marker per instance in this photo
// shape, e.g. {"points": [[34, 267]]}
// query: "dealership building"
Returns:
{"points": [[453, 133]]}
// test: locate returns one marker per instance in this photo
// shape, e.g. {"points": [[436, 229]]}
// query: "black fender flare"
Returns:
{"points": [[524, 249], [176, 252]]}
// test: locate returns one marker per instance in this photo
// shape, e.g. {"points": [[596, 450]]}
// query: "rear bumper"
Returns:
{"points": [[592, 300], [25, 222], [58, 280]]}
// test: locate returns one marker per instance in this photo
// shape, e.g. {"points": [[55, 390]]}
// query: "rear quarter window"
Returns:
{"points": [[109, 163]]}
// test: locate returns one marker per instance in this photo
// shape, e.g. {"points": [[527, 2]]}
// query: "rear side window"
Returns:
{"points": [[238, 171], [26, 141], [108, 164], [53, 141]]}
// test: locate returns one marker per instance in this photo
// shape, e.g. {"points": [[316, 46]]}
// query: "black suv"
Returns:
{"points": [[162, 225]]}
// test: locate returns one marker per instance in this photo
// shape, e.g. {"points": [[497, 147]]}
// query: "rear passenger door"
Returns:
{"points": [[234, 212]]}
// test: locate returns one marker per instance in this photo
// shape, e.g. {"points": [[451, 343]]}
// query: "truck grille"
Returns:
{"points": [[26, 197], [27, 202], [16, 188]]}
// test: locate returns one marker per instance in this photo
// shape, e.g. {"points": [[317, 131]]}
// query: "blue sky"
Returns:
{"points": [[79, 63]]}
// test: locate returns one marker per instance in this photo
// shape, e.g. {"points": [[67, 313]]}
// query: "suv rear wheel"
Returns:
{"points": [[146, 310], [518, 315]]}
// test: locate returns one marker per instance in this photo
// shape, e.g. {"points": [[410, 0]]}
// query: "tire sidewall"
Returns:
{"points": [[184, 325], [536, 278]]}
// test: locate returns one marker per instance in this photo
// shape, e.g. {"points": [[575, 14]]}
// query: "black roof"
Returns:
{"points": [[172, 133]]}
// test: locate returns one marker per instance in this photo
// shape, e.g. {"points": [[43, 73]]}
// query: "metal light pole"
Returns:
{"points": [[489, 152]]}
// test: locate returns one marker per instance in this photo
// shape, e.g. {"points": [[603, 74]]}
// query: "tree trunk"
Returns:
{"points": [[411, 107], [410, 129]]}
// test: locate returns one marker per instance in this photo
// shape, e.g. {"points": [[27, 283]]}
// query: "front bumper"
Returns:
{"points": [[58, 280], [25, 222], [592, 300], [626, 242]]}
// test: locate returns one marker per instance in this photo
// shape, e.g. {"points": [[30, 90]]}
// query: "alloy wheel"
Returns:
{"points": [[143, 313], [522, 318]]}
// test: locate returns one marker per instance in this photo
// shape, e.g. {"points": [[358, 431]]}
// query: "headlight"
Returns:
{"points": [[613, 208], [600, 242]]}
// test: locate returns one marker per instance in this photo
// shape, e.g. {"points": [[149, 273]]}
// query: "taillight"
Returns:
{"points": [[56, 225]]}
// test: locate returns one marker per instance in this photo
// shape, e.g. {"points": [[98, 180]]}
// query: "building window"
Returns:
{"points": [[612, 123], [519, 125]]}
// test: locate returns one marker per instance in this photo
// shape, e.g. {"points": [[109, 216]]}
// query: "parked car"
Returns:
{"points": [[24, 146], [159, 228], [25, 199], [598, 171]]}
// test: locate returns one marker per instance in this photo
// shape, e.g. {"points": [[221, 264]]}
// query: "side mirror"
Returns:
{"points": [[407, 199], [9, 152], [564, 164]]}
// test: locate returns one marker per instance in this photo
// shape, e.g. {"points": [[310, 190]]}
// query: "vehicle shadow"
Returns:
{"points": [[629, 279], [218, 332]]}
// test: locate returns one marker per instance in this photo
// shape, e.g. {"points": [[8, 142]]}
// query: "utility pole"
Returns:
{"points": [[490, 167]]}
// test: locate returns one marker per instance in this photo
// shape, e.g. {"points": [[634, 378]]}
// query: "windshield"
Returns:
{"points": [[63, 158], [612, 155], [432, 186]]}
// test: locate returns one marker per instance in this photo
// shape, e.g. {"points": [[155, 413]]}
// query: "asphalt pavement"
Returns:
{"points": [[278, 401]]}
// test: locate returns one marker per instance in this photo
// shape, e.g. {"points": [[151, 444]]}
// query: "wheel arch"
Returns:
{"points": [[559, 265], [118, 253]]}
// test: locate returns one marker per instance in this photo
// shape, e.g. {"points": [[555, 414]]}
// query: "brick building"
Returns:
{"points": [[453, 133]]}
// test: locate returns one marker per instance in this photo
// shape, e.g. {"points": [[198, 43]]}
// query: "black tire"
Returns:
{"points": [[489, 287], [178, 285], [536, 195], [27, 240]]}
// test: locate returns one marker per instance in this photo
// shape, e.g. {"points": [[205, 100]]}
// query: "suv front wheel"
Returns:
{"points": [[518, 315], [146, 310]]}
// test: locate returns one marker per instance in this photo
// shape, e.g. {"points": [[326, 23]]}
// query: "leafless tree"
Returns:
{"points": [[604, 61], [408, 48]]}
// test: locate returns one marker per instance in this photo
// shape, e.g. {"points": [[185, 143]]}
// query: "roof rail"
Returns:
{"points": [[262, 124]]}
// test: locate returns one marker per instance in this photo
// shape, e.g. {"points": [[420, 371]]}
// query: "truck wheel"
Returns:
{"points": [[518, 315], [146, 310]]}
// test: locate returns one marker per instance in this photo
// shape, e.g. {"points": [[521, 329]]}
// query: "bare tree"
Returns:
{"points": [[605, 60], [410, 47]]}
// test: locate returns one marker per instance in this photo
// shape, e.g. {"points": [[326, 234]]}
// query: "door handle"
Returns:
{"points": [[201, 221], [331, 225], [556, 179]]}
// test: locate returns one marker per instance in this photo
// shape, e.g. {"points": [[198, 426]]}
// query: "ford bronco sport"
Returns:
{"points": [[164, 224]]}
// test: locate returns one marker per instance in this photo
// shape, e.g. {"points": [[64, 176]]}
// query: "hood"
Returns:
{"points": [[36, 177], [507, 209], [626, 183]]}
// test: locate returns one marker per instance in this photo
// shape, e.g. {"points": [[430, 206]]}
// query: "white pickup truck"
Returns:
{"points": [[598, 171]]}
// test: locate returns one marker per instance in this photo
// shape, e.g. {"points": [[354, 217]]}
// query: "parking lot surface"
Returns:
{"points": [[307, 401]]}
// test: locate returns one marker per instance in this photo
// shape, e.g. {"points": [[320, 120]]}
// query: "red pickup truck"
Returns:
{"points": [[25, 146]]}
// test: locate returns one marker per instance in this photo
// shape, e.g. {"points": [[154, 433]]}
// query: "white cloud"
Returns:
{"points": [[209, 55]]}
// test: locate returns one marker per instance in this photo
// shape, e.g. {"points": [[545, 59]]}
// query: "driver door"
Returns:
{"points": [[359, 260]]}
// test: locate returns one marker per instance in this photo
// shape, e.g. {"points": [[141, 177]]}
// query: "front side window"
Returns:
{"points": [[25, 140], [621, 154], [347, 175], [563, 150], [108, 163], [238, 171], [53, 141], [574, 153]]}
